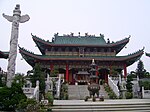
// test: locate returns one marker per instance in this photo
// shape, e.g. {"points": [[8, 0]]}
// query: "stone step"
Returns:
{"points": [[79, 92], [104, 110], [106, 106], [109, 108]]}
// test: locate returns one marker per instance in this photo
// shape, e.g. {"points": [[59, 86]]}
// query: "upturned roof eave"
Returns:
{"points": [[4, 54], [147, 54], [127, 58], [44, 44]]}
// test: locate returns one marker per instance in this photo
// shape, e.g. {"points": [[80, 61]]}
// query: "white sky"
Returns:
{"points": [[116, 19]]}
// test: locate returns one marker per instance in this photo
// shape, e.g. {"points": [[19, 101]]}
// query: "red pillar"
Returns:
{"points": [[67, 73], [125, 71], [51, 67]]}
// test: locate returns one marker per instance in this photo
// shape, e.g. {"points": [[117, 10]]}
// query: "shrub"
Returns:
{"points": [[128, 95], [50, 98], [107, 88], [28, 105], [10, 97], [49, 110], [64, 92], [86, 98], [112, 95], [145, 84]]}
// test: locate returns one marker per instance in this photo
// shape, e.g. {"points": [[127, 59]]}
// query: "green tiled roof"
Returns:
{"points": [[82, 40], [31, 58]]}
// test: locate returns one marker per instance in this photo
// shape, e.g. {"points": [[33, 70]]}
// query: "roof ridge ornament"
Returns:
{"points": [[129, 36], [101, 35], [56, 34]]}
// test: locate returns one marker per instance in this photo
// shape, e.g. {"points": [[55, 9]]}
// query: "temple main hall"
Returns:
{"points": [[72, 56]]}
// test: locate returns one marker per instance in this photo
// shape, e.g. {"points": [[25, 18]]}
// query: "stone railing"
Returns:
{"points": [[58, 83], [31, 92], [145, 93], [113, 86]]}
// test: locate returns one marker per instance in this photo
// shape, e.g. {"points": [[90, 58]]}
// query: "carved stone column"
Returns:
{"points": [[15, 19]]}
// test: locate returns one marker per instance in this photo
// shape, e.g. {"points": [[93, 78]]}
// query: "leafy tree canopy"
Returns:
{"points": [[39, 75], [54, 72], [140, 71], [129, 83], [10, 97]]}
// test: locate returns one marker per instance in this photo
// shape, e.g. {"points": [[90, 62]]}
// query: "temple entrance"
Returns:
{"points": [[103, 75], [82, 77]]}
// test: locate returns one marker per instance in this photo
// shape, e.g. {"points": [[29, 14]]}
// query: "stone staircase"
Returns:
{"points": [[133, 105], [103, 92], [79, 92]]}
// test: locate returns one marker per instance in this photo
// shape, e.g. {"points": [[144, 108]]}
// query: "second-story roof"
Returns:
{"points": [[79, 41]]}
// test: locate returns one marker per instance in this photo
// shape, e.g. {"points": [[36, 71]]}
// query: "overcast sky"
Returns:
{"points": [[116, 19]]}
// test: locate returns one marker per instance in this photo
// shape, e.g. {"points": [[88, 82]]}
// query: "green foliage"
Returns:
{"points": [[38, 74], [10, 97], [54, 72], [129, 83], [27, 105], [2, 79], [133, 74], [107, 88], [19, 78], [1, 82], [140, 71], [147, 75], [50, 98], [145, 84], [110, 92], [64, 92], [112, 95], [128, 95]]}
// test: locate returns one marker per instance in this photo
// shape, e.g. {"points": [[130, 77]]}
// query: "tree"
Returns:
{"points": [[54, 72], [28, 105], [129, 84], [140, 71], [1, 82], [10, 97], [19, 78], [38, 74]]}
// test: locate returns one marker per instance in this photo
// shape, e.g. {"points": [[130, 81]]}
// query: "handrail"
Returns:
{"points": [[58, 86], [113, 86], [32, 92]]}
